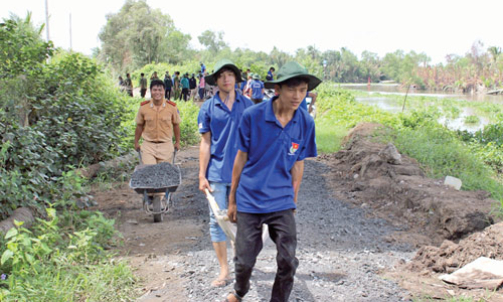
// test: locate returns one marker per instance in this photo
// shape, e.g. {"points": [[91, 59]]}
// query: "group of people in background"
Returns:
{"points": [[178, 87]]}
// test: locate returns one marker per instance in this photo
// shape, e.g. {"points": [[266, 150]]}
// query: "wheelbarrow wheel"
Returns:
{"points": [[157, 208]]}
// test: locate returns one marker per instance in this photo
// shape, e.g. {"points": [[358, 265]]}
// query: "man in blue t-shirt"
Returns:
{"points": [[257, 89], [270, 74], [274, 139], [218, 121]]}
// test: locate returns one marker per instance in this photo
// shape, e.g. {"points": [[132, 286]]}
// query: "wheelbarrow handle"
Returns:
{"points": [[174, 155], [139, 156], [213, 204]]}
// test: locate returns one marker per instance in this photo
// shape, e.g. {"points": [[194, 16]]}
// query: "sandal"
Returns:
{"points": [[238, 298]]}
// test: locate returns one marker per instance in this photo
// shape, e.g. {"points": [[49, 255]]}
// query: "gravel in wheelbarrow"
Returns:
{"points": [[162, 175]]}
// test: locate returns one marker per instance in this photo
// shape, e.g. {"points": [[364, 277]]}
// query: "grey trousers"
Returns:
{"points": [[283, 233]]}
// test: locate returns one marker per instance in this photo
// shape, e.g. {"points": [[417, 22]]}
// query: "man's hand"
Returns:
{"points": [[204, 184], [137, 146], [177, 146], [232, 209]]}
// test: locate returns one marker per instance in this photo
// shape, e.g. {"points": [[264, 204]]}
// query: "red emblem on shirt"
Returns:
{"points": [[294, 148]]}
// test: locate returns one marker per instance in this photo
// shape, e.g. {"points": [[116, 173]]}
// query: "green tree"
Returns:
{"points": [[349, 69], [214, 42], [308, 58], [391, 64], [278, 57], [175, 48], [138, 35], [333, 58], [370, 65], [22, 57]]}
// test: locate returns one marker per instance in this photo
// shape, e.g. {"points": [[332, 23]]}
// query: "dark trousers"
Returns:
{"points": [[185, 93], [256, 101], [167, 94], [143, 91], [283, 232]]}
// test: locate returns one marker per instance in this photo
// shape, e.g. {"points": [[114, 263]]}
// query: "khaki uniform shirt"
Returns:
{"points": [[158, 122]]}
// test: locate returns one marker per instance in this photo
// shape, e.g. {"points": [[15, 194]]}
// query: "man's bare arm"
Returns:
{"points": [[176, 130], [297, 172], [137, 135], [204, 160], [239, 163]]}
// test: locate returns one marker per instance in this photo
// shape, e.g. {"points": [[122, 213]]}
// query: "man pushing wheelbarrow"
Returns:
{"points": [[156, 121]]}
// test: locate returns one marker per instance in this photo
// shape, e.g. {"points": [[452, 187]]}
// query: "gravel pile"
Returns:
{"points": [[162, 175]]}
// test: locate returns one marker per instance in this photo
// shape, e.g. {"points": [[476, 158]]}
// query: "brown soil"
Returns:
{"points": [[451, 256], [421, 274], [365, 174], [433, 215]]}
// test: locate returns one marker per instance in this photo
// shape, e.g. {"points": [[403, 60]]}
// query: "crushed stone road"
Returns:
{"points": [[341, 248]]}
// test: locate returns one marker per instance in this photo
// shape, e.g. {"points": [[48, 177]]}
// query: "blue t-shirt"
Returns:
{"points": [[256, 87], [203, 68], [215, 117], [270, 76], [303, 105], [265, 184]]}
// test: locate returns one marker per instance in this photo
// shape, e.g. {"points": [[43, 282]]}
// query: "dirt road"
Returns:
{"points": [[341, 250]]}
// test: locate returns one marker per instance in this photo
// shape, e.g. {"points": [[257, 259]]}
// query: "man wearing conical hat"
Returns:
{"points": [[274, 139]]}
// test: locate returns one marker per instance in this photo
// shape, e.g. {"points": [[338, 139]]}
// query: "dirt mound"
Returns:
{"points": [[451, 256], [374, 175], [362, 130]]}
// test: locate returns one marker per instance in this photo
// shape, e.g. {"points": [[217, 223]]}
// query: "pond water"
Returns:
{"points": [[397, 89], [377, 97]]}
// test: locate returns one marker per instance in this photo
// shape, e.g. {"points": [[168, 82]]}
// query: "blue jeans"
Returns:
{"points": [[221, 193]]}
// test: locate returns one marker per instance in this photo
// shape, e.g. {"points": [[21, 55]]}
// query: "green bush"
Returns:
{"points": [[63, 260], [54, 117], [188, 127], [472, 119], [491, 133]]}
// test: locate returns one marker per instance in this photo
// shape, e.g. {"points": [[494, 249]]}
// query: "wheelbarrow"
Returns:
{"points": [[154, 203]]}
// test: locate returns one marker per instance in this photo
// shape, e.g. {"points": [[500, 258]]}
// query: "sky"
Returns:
{"points": [[435, 27]]}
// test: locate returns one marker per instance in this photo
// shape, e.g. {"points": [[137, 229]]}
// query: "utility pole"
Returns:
{"points": [[71, 48], [47, 19]]}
